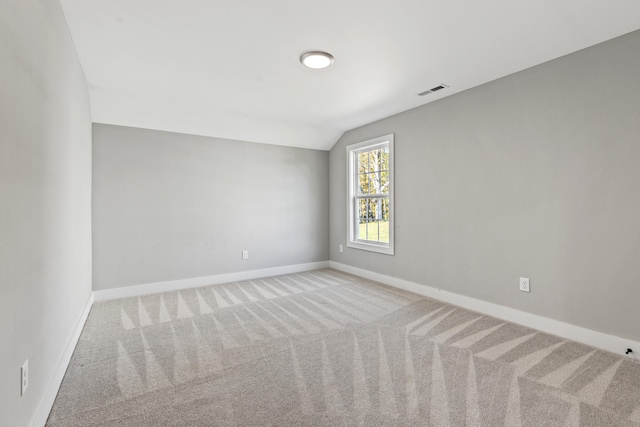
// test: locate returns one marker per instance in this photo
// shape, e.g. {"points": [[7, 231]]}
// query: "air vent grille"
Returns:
{"points": [[433, 89]]}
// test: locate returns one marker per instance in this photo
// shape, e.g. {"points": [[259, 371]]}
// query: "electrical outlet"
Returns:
{"points": [[245, 254], [341, 248], [24, 377], [524, 284]]}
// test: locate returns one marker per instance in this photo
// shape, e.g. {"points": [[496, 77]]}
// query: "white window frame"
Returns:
{"points": [[352, 192]]}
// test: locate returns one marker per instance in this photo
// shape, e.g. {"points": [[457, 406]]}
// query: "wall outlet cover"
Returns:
{"points": [[524, 284]]}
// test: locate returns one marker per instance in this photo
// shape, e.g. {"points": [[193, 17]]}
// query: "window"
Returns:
{"points": [[370, 195]]}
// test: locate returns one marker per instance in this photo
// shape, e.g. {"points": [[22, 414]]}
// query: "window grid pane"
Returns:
{"points": [[373, 219], [373, 171]]}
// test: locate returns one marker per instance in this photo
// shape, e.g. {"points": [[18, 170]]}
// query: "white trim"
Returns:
{"points": [[582, 335], [195, 282], [46, 403], [352, 151]]}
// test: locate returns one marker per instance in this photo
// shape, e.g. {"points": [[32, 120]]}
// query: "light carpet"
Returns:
{"points": [[324, 348]]}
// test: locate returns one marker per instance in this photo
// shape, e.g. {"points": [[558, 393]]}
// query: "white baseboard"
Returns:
{"points": [[195, 282], [46, 403], [582, 335]]}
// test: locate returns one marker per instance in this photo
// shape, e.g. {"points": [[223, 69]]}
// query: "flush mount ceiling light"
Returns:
{"points": [[316, 59]]}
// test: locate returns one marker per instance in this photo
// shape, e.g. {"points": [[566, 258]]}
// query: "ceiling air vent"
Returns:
{"points": [[433, 89]]}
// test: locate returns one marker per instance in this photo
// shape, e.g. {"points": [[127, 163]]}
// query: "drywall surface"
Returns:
{"points": [[533, 175], [45, 200], [170, 206]]}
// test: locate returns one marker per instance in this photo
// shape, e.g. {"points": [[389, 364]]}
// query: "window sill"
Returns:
{"points": [[385, 249]]}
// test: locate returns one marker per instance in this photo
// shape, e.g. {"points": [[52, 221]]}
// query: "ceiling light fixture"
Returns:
{"points": [[316, 59]]}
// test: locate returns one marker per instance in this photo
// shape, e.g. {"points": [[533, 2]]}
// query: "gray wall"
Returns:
{"points": [[45, 199], [170, 206], [535, 175]]}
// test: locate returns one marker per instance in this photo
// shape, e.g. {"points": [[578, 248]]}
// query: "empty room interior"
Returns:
{"points": [[336, 213]]}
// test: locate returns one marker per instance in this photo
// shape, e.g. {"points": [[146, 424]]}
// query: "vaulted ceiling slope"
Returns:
{"points": [[231, 69]]}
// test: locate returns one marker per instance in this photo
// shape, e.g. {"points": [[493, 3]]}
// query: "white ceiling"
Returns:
{"points": [[230, 68]]}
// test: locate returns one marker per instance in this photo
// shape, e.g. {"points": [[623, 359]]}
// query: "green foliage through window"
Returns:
{"points": [[373, 180]]}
